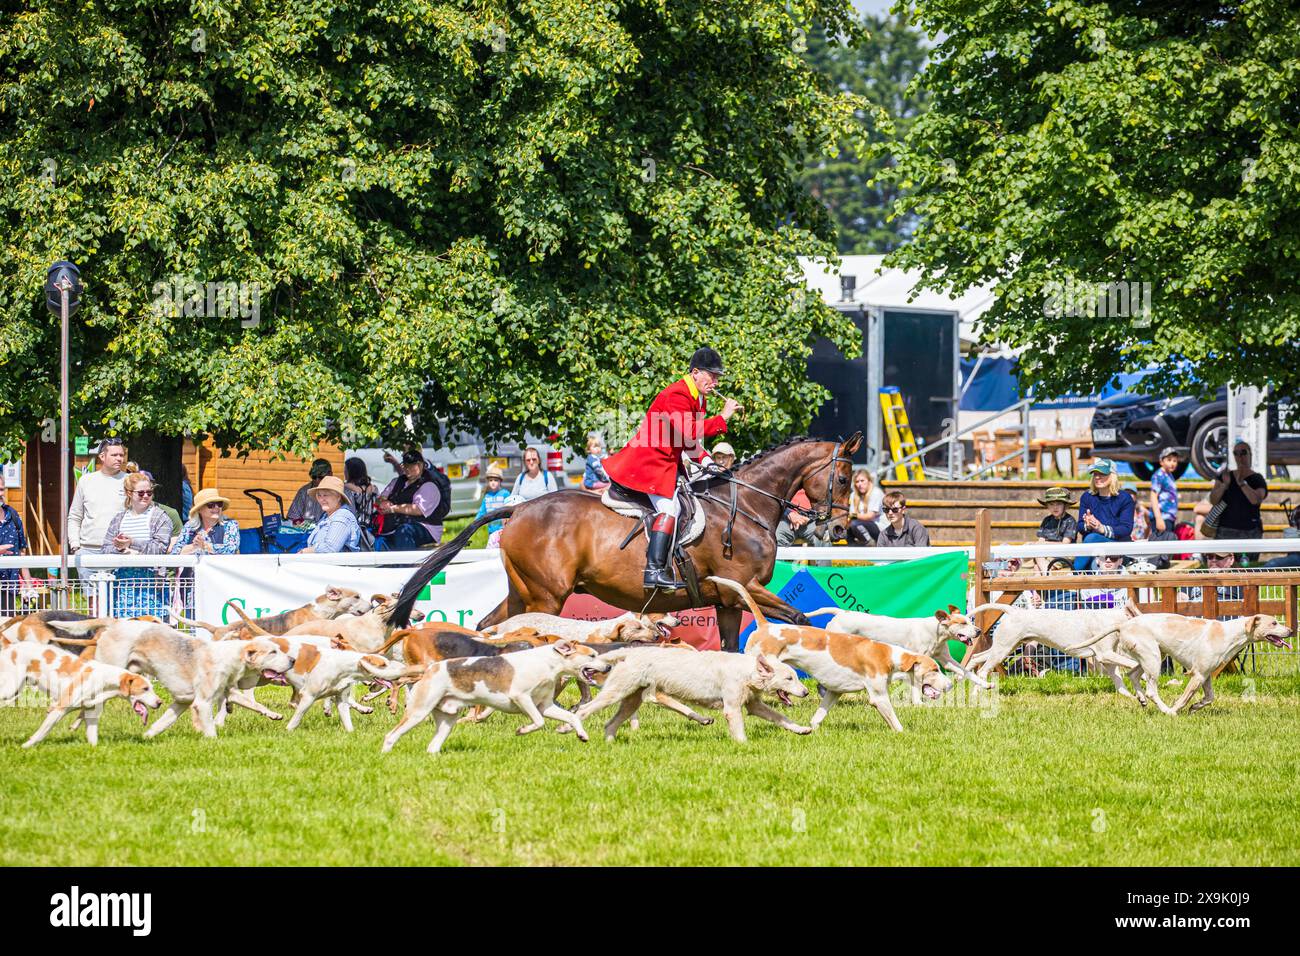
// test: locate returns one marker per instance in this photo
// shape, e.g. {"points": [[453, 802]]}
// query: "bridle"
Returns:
{"points": [[820, 516]]}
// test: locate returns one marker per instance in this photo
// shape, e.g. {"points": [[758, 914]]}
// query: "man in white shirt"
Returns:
{"points": [[97, 499]]}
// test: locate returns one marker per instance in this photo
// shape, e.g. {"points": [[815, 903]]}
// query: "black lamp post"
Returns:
{"points": [[63, 297]]}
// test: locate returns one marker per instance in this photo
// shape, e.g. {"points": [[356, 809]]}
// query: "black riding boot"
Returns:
{"points": [[656, 555]]}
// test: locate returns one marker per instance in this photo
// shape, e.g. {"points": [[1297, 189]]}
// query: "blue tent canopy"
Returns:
{"points": [[997, 386]]}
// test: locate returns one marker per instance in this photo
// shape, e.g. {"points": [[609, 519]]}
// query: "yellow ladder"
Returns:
{"points": [[901, 442]]}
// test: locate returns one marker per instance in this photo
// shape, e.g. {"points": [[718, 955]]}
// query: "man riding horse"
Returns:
{"points": [[570, 542], [651, 462]]}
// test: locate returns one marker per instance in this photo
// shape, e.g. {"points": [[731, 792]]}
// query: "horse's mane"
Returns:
{"points": [[779, 446]]}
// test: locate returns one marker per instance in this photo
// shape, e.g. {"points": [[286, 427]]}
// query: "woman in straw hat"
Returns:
{"points": [[208, 531], [336, 529]]}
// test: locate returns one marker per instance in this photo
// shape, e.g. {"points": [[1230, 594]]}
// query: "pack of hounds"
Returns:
{"points": [[324, 649]]}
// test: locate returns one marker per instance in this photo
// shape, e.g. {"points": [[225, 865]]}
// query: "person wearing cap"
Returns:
{"points": [[336, 529], [406, 503], [1105, 514], [1164, 493], [494, 497], [98, 498], [593, 475], [304, 508], [208, 530], [724, 456], [675, 422], [1243, 490]]}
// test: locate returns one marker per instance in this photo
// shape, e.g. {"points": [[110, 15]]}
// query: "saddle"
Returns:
{"points": [[636, 504], [690, 526]]}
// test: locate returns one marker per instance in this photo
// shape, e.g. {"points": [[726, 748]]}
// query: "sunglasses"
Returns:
{"points": [[143, 494], [214, 505], [894, 511]]}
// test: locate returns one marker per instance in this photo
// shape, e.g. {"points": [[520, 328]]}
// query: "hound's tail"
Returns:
{"points": [[822, 610], [749, 598], [398, 635], [79, 628], [193, 622], [248, 621], [988, 607], [435, 562]]}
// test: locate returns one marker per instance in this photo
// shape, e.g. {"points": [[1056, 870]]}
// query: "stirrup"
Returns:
{"points": [[656, 579]]}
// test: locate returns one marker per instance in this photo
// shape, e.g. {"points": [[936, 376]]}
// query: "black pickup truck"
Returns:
{"points": [[1135, 428]]}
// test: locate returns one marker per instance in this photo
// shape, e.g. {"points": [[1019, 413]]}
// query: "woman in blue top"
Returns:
{"points": [[1104, 513], [336, 529]]}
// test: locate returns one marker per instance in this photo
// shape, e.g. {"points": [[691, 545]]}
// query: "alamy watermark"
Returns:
{"points": [[1102, 300], [210, 300]]}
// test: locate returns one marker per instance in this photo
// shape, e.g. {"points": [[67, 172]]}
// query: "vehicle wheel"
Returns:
{"points": [[1142, 470], [1210, 447]]}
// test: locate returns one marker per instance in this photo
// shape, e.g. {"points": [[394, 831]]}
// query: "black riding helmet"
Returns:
{"points": [[707, 360]]}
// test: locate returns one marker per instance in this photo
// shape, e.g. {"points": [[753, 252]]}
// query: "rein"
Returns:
{"points": [[820, 516]]}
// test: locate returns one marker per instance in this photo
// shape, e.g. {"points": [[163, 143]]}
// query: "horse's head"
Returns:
{"points": [[827, 482]]}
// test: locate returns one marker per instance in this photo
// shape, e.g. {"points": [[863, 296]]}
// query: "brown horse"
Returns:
{"points": [[568, 542]]}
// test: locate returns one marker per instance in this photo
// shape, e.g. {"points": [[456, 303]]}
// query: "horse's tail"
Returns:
{"points": [[435, 562], [744, 593]]}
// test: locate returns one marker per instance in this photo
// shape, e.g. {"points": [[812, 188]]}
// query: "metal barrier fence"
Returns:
{"points": [[129, 586]]}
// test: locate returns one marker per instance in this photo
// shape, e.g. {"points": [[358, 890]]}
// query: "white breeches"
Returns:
{"points": [[665, 505]]}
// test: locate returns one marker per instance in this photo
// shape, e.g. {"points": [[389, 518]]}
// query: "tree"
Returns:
{"points": [[878, 64], [350, 223], [1091, 157]]}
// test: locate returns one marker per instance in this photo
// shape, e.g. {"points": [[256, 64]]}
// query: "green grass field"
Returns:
{"points": [[1058, 771]]}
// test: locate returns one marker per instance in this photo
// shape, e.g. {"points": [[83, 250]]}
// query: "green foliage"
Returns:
{"points": [[1093, 142], [878, 63], [515, 215]]}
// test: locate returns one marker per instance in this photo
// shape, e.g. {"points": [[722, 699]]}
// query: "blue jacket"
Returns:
{"points": [[491, 501], [1116, 512]]}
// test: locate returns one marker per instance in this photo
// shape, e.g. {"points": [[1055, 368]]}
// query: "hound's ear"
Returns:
{"points": [[381, 599], [953, 609], [564, 648], [617, 633], [764, 665], [124, 684], [910, 661], [1253, 624], [333, 593], [942, 615], [251, 651]]}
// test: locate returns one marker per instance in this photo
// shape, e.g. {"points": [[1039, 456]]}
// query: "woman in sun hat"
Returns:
{"points": [[208, 531], [1104, 513], [336, 529]]}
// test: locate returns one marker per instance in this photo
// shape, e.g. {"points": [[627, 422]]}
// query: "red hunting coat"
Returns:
{"points": [[675, 423]]}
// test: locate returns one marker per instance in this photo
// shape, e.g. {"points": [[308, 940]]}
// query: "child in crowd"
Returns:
{"points": [[1164, 496], [493, 497], [1059, 526], [594, 477]]}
